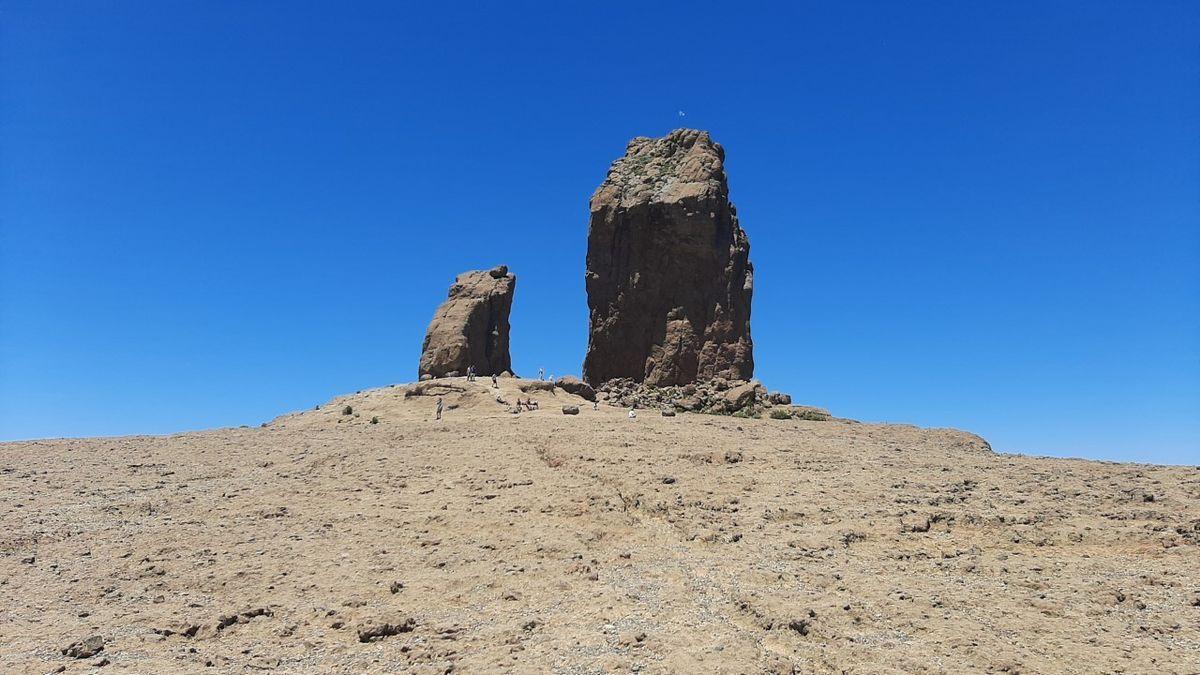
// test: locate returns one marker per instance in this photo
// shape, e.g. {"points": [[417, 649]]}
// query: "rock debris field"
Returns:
{"points": [[542, 542]]}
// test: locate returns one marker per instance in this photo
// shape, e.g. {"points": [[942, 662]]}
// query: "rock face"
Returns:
{"points": [[471, 326], [669, 280]]}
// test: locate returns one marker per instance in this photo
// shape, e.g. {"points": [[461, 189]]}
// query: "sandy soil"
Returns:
{"points": [[541, 542]]}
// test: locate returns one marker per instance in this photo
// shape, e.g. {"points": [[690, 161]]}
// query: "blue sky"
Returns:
{"points": [[979, 215]]}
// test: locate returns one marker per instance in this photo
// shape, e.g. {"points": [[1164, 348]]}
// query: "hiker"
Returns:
{"points": [[494, 380], [633, 413], [533, 404], [595, 405], [439, 408], [471, 373], [541, 374]]}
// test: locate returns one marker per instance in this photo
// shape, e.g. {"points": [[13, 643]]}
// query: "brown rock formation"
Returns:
{"points": [[471, 326], [573, 385], [669, 280]]}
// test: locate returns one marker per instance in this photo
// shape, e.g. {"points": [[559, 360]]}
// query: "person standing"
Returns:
{"points": [[494, 380], [439, 408], [541, 374]]}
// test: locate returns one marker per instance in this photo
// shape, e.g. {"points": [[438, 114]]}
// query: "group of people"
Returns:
{"points": [[527, 404]]}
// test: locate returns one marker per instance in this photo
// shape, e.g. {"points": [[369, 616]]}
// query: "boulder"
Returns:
{"points": [[668, 413], [471, 326], [669, 280], [741, 396], [779, 398], [536, 385], [576, 386], [570, 410]]}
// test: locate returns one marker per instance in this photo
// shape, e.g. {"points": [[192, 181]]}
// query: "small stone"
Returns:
{"points": [[373, 633], [914, 523], [84, 648], [631, 638], [570, 410]]}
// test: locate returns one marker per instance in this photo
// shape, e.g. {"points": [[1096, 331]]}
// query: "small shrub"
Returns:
{"points": [[347, 410], [812, 416], [375, 420], [781, 414]]}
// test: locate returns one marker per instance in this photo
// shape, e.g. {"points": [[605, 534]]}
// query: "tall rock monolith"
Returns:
{"points": [[669, 280], [471, 326]]}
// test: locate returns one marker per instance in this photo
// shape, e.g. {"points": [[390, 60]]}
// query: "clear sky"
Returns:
{"points": [[983, 215]]}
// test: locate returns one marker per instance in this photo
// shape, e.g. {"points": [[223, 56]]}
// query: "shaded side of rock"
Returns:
{"points": [[668, 278], [471, 327]]}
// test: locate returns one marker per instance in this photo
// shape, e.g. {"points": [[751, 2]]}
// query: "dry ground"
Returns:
{"points": [[540, 542]]}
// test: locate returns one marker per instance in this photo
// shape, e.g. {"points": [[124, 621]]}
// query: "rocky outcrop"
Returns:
{"points": [[471, 326], [668, 278], [716, 396]]}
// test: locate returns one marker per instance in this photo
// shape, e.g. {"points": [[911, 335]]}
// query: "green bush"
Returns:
{"points": [[374, 420], [812, 416], [781, 414]]}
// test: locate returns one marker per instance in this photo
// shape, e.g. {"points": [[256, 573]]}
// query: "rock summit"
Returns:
{"points": [[471, 327], [668, 277]]}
